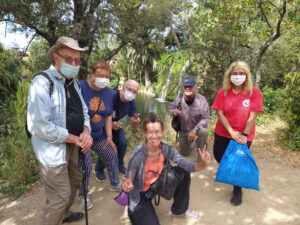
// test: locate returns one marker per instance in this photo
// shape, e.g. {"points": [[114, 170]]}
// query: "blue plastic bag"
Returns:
{"points": [[238, 167]]}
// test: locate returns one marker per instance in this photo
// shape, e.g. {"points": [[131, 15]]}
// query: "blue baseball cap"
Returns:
{"points": [[189, 82]]}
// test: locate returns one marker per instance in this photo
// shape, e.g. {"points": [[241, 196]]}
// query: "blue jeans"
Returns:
{"points": [[120, 141]]}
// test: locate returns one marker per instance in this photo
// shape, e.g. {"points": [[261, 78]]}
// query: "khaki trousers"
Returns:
{"points": [[61, 184], [186, 147]]}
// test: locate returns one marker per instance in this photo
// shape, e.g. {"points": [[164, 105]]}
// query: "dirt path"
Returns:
{"points": [[277, 203]]}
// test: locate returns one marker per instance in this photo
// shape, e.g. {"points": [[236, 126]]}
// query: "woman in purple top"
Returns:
{"points": [[98, 98]]}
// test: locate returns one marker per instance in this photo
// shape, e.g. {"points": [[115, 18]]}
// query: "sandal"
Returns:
{"points": [[189, 214]]}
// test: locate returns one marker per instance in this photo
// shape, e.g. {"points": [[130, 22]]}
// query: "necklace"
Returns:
{"points": [[67, 86]]}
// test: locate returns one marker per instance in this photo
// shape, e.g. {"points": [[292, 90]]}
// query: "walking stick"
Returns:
{"points": [[84, 190]]}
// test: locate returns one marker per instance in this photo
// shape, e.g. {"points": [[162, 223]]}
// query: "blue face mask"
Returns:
{"points": [[69, 71]]}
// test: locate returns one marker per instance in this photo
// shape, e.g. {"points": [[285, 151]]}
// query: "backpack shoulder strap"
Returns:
{"points": [[44, 74]]}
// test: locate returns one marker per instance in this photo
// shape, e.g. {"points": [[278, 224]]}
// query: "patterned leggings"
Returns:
{"points": [[108, 156]]}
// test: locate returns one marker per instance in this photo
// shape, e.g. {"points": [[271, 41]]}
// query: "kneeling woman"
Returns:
{"points": [[145, 165]]}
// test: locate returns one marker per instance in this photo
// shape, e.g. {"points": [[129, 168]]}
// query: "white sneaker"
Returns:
{"points": [[117, 188], [89, 202]]}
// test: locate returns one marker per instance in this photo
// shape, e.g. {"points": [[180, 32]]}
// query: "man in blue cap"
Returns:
{"points": [[194, 117]]}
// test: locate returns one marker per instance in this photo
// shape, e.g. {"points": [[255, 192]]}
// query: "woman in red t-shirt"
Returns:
{"points": [[237, 104]]}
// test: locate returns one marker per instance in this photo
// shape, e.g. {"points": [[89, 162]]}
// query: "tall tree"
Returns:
{"points": [[85, 21], [145, 41], [253, 25]]}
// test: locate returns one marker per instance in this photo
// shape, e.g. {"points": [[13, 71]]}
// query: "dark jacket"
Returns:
{"points": [[137, 163]]}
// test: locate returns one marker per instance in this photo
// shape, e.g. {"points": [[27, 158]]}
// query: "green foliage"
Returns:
{"points": [[18, 162], [212, 123], [114, 81], [291, 137], [10, 73], [293, 97], [226, 31], [37, 60], [15, 190], [273, 99], [169, 69], [263, 118]]}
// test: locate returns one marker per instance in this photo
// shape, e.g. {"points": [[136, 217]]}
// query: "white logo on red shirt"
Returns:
{"points": [[246, 103]]}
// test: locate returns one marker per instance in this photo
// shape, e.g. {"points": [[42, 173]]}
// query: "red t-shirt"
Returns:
{"points": [[236, 109]]}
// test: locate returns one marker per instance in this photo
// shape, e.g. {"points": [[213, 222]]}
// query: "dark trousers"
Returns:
{"points": [[120, 141], [220, 145], [144, 213]]}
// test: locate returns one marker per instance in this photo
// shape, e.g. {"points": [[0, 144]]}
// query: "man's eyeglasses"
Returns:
{"points": [[131, 90], [70, 60], [240, 74]]}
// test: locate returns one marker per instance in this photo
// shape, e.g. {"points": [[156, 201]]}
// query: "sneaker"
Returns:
{"points": [[237, 196], [100, 176], [189, 214], [117, 188], [89, 202], [73, 217], [122, 169]]}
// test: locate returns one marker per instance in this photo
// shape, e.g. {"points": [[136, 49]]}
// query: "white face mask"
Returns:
{"points": [[129, 96], [237, 79], [101, 82]]}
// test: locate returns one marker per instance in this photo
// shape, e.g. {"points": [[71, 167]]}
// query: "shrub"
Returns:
{"points": [[273, 99], [10, 73], [18, 163], [293, 97], [291, 138], [114, 81]]}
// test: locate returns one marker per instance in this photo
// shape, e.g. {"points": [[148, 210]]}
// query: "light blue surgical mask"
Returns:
{"points": [[69, 71]]}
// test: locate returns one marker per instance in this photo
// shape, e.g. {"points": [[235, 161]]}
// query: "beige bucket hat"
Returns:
{"points": [[67, 42]]}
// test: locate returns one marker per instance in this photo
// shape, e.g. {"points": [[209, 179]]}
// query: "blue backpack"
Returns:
{"points": [[238, 167]]}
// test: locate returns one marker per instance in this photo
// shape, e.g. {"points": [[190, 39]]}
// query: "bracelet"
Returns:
{"points": [[245, 134], [109, 137]]}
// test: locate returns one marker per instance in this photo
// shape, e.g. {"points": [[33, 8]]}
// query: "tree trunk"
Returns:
{"points": [[83, 72], [262, 50], [147, 79], [140, 73], [128, 72], [175, 37], [296, 68], [258, 75]]}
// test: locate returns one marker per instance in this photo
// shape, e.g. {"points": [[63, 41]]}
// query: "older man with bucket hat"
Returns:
{"points": [[194, 117], [58, 121]]}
